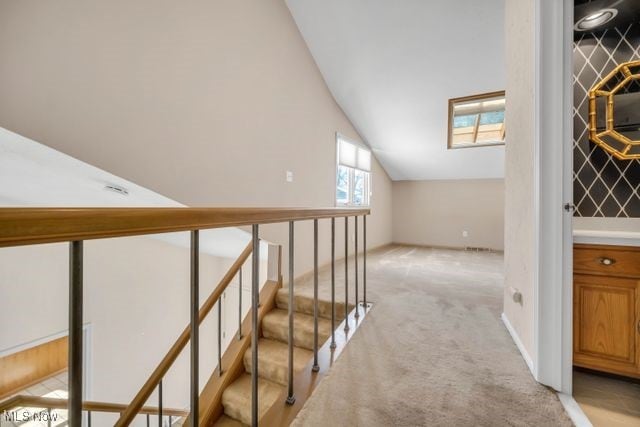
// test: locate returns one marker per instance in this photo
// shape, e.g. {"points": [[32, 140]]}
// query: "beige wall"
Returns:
{"points": [[435, 213], [520, 242], [209, 103]]}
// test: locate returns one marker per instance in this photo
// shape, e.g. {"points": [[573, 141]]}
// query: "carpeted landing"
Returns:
{"points": [[432, 351]]}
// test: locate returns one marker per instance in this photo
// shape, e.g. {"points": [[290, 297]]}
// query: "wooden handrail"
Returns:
{"points": [[156, 376], [28, 226], [23, 401]]}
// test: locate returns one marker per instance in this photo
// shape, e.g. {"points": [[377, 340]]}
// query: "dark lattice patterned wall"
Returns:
{"points": [[602, 185]]}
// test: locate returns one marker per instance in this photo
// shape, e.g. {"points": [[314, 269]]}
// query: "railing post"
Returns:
{"points": [[160, 403], [220, 336], [240, 303], [333, 283], [255, 300], [346, 273], [195, 306], [364, 262], [356, 264], [75, 332], [315, 367], [290, 397]]}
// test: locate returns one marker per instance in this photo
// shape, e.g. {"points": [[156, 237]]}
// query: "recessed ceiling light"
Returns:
{"points": [[595, 19]]}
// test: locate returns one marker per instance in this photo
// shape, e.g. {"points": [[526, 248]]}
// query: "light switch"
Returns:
{"points": [[289, 176]]}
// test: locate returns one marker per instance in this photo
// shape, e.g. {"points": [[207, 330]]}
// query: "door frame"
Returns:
{"points": [[553, 157]]}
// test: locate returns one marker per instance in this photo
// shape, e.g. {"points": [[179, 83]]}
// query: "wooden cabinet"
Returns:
{"points": [[606, 315]]}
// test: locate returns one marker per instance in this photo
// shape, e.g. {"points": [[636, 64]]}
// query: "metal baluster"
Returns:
{"points": [[160, 403], [148, 420], [75, 333], [88, 418], [255, 299], [333, 283], [170, 420], [240, 304], [195, 308], [346, 273], [220, 336], [356, 265], [290, 397], [48, 417], [315, 367], [364, 262]]}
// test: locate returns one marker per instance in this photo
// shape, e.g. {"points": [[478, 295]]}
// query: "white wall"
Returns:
{"points": [[520, 187], [207, 103], [136, 301], [435, 213]]}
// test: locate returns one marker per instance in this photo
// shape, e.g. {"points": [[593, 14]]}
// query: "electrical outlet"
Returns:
{"points": [[289, 176], [465, 233]]}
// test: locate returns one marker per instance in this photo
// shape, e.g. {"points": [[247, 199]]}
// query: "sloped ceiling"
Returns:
{"points": [[392, 66]]}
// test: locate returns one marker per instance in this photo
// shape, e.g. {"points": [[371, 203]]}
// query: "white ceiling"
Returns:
{"points": [[392, 66], [34, 175]]}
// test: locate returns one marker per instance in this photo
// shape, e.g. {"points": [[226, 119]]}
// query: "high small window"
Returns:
{"points": [[477, 121], [353, 180]]}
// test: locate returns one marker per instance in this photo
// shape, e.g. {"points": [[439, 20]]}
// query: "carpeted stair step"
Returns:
{"points": [[275, 326], [236, 399], [304, 304], [273, 357]]}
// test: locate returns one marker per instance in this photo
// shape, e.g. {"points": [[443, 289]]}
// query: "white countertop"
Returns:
{"points": [[607, 231]]}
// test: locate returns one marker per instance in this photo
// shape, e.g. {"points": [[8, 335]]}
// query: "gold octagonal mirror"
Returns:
{"points": [[614, 112]]}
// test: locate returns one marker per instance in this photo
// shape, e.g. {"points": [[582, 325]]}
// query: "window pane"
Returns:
{"points": [[359, 187], [492, 118], [342, 187], [491, 127], [477, 120], [464, 121]]}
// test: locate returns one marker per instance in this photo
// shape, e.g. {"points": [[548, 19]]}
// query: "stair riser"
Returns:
{"points": [[304, 305], [302, 339]]}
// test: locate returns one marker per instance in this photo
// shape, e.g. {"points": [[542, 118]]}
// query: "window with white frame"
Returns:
{"points": [[353, 175]]}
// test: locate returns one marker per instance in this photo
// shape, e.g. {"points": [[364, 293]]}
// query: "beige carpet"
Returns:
{"points": [[432, 352]]}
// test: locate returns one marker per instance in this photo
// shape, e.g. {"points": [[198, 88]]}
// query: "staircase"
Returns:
{"points": [[227, 398], [273, 356]]}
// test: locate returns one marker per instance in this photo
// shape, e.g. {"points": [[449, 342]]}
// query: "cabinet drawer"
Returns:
{"points": [[622, 261]]}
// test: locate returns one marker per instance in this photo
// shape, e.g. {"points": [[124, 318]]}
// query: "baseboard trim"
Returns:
{"points": [[574, 410], [521, 348], [445, 247]]}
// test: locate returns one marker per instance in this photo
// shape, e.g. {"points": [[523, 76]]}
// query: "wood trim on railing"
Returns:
{"points": [[152, 382], [28, 226], [23, 401]]}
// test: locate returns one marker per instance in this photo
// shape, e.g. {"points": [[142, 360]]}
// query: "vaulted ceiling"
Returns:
{"points": [[392, 66]]}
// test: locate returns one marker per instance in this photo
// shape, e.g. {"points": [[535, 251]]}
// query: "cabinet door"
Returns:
{"points": [[605, 324]]}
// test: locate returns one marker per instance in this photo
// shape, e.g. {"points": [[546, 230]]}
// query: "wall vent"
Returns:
{"points": [[117, 189], [477, 249]]}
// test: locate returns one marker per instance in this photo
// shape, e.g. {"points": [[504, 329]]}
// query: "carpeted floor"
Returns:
{"points": [[432, 352]]}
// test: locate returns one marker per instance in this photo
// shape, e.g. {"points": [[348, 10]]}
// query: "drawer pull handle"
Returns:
{"points": [[607, 261]]}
